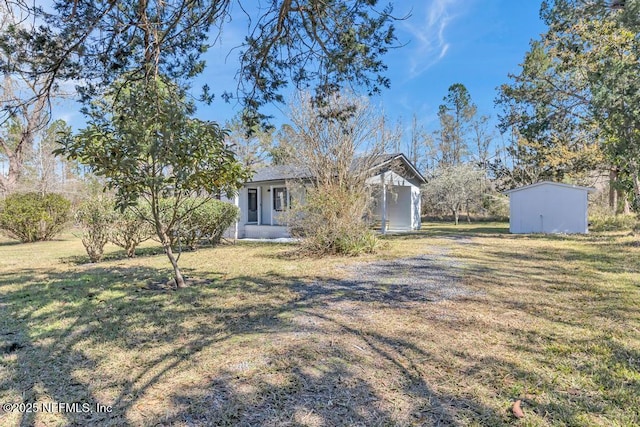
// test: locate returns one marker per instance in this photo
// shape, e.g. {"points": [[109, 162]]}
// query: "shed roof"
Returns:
{"points": [[551, 183]]}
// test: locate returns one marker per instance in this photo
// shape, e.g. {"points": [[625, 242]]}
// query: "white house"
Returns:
{"points": [[264, 199], [548, 207]]}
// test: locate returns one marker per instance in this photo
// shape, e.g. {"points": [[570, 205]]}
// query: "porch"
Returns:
{"points": [[253, 231]]}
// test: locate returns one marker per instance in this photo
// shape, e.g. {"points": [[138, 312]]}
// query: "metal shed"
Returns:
{"points": [[548, 207]]}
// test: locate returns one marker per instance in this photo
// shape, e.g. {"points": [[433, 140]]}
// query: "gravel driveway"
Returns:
{"points": [[424, 278]]}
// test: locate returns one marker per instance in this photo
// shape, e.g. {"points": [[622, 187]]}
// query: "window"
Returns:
{"points": [[280, 199]]}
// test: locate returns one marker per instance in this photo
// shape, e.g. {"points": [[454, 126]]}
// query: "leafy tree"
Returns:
{"points": [[580, 83], [207, 221], [142, 143], [454, 188], [612, 63], [96, 217], [324, 44], [547, 107], [129, 229]]}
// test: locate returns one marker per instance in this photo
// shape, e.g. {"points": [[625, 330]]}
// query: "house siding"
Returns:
{"points": [[402, 198]]}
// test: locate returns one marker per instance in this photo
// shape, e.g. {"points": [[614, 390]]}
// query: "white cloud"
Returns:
{"points": [[427, 30]]}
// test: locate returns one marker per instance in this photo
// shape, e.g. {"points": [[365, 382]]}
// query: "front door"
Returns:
{"points": [[252, 205]]}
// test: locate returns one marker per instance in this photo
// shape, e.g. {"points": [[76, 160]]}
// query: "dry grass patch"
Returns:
{"points": [[469, 320]]}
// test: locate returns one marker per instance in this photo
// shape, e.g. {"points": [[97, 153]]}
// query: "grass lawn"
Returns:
{"points": [[553, 321]]}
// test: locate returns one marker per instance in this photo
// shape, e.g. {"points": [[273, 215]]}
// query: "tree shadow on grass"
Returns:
{"points": [[266, 350], [149, 251], [553, 398], [117, 255], [580, 337], [98, 336], [50, 318], [328, 369]]}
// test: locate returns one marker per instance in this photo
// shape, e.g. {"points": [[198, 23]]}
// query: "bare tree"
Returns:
{"points": [[339, 145], [252, 146], [482, 137], [20, 119], [421, 150], [340, 142], [42, 170], [454, 188]]}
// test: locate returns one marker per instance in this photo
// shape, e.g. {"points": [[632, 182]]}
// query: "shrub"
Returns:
{"points": [[207, 221], [96, 217], [129, 230], [604, 220], [496, 206], [331, 222], [357, 242], [31, 217]]}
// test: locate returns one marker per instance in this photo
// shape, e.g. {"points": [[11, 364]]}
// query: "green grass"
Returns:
{"points": [[551, 320]]}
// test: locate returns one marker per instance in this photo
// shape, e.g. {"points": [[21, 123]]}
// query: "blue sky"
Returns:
{"points": [[473, 42]]}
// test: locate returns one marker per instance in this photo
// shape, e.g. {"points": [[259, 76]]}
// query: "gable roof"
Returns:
{"points": [[556, 184], [387, 159], [285, 172]]}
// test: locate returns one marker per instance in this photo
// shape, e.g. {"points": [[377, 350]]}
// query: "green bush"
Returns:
{"points": [[129, 230], [31, 217], [496, 206], [357, 242], [209, 221], [600, 221], [202, 221], [96, 216], [331, 222]]}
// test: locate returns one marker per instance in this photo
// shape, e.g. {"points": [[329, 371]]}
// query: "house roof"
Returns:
{"points": [[279, 173], [387, 159], [551, 183], [284, 172]]}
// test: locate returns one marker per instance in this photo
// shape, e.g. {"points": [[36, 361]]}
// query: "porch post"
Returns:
{"points": [[271, 203], [383, 227], [236, 201], [259, 205]]}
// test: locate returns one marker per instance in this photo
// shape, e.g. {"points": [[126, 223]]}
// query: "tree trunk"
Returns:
{"points": [[456, 216], [9, 182], [613, 192], [636, 186], [166, 245], [179, 279]]}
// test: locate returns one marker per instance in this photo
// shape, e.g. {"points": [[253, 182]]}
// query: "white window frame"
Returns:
{"points": [[286, 198]]}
